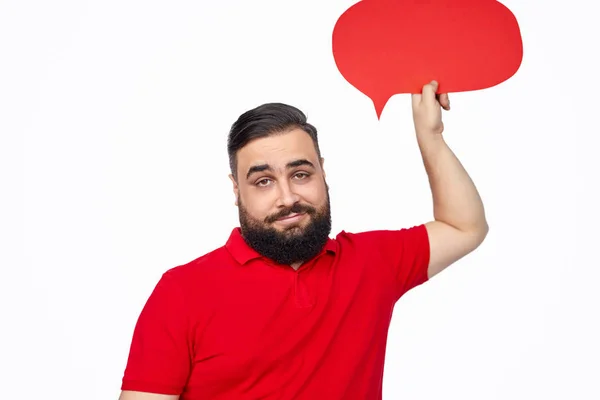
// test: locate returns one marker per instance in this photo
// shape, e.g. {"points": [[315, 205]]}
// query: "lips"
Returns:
{"points": [[290, 216], [295, 212]]}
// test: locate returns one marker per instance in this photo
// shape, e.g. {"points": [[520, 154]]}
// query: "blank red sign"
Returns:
{"points": [[387, 47]]}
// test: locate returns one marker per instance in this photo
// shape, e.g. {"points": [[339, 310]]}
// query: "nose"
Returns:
{"points": [[287, 197]]}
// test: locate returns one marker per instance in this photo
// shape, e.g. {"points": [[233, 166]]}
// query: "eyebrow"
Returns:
{"points": [[266, 167]]}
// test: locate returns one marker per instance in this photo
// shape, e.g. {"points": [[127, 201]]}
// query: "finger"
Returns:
{"points": [[416, 99], [444, 100]]}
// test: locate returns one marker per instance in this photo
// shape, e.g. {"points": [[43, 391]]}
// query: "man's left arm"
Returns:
{"points": [[459, 225]]}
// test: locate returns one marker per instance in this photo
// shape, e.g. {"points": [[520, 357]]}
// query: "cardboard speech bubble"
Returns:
{"points": [[388, 47]]}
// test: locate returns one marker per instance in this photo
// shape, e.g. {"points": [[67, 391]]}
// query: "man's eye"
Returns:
{"points": [[263, 182], [301, 175]]}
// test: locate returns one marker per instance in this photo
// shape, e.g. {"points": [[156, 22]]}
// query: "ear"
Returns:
{"points": [[236, 189]]}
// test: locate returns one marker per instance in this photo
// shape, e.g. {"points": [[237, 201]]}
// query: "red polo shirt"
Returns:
{"points": [[234, 325]]}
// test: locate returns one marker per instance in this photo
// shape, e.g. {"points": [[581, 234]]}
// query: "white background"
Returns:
{"points": [[114, 117]]}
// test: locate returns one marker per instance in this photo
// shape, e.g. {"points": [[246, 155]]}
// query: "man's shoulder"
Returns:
{"points": [[374, 236], [201, 267], [367, 234], [357, 241]]}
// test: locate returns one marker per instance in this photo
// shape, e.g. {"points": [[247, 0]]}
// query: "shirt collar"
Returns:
{"points": [[242, 252]]}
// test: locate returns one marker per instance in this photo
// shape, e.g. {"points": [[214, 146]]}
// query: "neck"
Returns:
{"points": [[296, 265]]}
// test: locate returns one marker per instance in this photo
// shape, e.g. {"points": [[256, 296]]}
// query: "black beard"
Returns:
{"points": [[293, 245]]}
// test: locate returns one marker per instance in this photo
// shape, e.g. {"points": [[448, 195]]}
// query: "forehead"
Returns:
{"points": [[277, 150]]}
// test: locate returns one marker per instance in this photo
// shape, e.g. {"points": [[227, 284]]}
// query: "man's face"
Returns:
{"points": [[282, 197]]}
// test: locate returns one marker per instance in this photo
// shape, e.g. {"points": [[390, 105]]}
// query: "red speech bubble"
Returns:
{"points": [[387, 47]]}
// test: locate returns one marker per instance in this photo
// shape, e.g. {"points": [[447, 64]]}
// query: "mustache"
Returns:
{"points": [[295, 209]]}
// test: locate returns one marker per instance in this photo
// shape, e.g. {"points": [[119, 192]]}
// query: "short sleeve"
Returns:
{"points": [[406, 252], [160, 356]]}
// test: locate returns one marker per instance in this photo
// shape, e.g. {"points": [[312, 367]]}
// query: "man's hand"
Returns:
{"points": [[427, 110]]}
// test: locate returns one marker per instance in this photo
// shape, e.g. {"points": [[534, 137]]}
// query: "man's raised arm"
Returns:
{"points": [[459, 225]]}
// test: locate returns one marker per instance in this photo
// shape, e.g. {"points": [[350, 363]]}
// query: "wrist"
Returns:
{"points": [[425, 138]]}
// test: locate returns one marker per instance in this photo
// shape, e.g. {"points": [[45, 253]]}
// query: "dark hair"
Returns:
{"points": [[266, 120]]}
